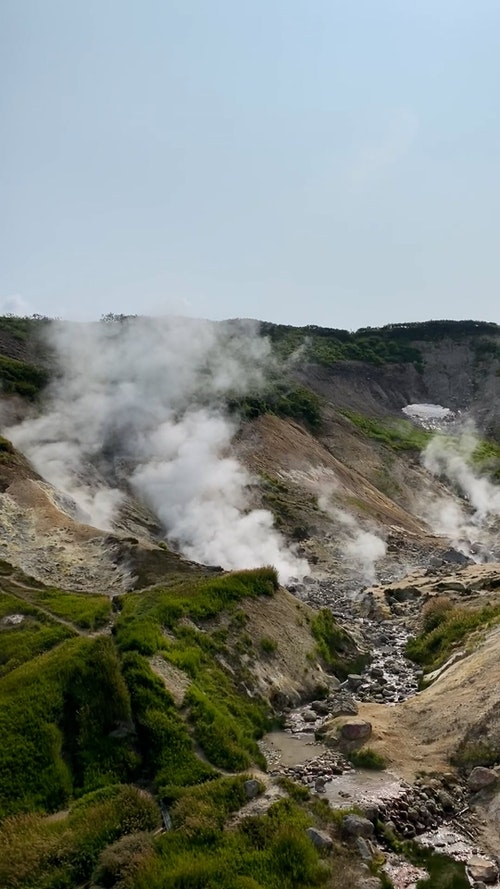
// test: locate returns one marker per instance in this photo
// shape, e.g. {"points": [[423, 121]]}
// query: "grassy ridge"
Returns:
{"points": [[322, 345], [86, 610], [56, 713], [225, 723], [445, 627], [91, 712], [23, 641]]}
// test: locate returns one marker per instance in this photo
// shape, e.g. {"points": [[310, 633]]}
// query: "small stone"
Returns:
{"points": [[320, 838], [445, 800], [252, 788], [482, 870], [356, 826], [320, 706], [354, 680], [365, 853]]}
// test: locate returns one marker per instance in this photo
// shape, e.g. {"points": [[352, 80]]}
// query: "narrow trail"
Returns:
{"points": [[23, 591]]}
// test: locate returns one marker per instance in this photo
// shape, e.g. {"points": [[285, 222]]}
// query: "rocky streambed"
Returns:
{"points": [[435, 811]]}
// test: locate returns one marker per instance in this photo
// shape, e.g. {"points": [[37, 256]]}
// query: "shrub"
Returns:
{"points": [[435, 612], [117, 865], [367, 758], [268, 646]]}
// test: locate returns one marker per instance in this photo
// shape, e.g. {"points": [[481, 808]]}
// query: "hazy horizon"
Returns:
{"points": [[329, 163]]}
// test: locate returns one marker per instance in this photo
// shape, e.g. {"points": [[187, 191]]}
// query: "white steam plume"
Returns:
{"points": [[146, 397], [449, 458]]}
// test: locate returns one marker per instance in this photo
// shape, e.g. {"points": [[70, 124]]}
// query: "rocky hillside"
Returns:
{"points": [[159, 711]]}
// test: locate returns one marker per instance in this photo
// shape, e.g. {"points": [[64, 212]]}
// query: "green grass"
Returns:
{"points": [[33, 636], [225, 722], [446, 629], [164, 741], [20, 378], [143, 615], [86, 610], [335, 646], [40, 853], [366, 758], [267, 852], [56, 715], [399, 435]]}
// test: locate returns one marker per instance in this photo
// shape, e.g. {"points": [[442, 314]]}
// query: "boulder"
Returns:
{"points": [[356, 730], [357, 826], [480, 778], [482, 870], [320, 838]]}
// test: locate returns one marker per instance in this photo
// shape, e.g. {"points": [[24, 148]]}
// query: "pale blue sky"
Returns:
{"points": [[302, 161]]}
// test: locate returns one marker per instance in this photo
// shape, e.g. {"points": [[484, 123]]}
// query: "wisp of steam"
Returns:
{"points": [[362, 548], [143, 401], [450, 458]]}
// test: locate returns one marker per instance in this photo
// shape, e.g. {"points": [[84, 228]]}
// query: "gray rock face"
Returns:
{"points": [[356, 826], [482, 870], [480, 778], [320, 839]]}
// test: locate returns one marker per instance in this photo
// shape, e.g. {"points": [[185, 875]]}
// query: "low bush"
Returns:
{"points": [[285, 399], [367, 758], [36, 851], [267, 645]]}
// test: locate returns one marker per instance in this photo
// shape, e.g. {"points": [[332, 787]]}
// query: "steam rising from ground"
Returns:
{"points": [[450, 458], [142, 401], [361, 547]]}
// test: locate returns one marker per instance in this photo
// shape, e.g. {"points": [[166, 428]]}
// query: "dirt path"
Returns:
{"points": [[23, 594]]}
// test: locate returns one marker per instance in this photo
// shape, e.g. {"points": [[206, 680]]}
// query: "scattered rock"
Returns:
{"points": [[363, 847], [482, 870], [357, 826], [320, 838], [480, 778]]}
